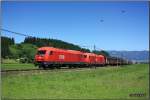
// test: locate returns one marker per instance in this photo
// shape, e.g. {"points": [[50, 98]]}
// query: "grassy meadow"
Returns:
{"points": [[100, 83], [17, 66], [11, 64]]}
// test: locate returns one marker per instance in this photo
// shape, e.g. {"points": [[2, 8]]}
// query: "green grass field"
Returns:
{"points": [[9, 61], [17, 66], [100, 83]]}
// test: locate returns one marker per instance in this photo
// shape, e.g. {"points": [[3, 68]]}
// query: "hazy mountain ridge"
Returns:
{"points": [[139, 56]]}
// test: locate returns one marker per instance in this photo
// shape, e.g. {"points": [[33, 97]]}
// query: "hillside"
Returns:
{"points": [[39, 42], [138, 56]]}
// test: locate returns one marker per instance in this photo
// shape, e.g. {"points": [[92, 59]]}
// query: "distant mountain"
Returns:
{"points": [[137, 56]]}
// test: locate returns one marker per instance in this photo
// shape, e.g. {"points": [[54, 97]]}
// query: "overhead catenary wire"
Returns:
{"points": [[16, 33]]}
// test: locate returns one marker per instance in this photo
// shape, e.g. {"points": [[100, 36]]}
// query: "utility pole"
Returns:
{"points": [[94, 47]]}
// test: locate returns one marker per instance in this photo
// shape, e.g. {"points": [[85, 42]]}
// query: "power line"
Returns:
{"points": [[16, 33]]}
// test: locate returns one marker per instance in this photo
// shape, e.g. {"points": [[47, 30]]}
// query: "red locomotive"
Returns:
{"points": [[50, 57], [54, 57]]}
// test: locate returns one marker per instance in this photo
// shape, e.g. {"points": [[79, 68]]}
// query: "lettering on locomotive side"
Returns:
{"points": [[61, 57]]}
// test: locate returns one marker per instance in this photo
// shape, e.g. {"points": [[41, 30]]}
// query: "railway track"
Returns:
{"points": [[14, 70], [23, 71]]}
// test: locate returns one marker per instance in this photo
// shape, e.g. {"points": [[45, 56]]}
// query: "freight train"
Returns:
{"points": [[50, 57]]}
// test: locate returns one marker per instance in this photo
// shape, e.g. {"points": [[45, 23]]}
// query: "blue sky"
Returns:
{"points": [[108, 25]]}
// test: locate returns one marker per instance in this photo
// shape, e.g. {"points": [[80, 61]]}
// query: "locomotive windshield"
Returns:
{"points": [[41, 52]]}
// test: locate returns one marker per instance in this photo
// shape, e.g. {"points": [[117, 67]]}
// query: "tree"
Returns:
{"points": [[85, 50], [29, 51], [23, 51], [5, 43], [15, 51], [102, 52]]}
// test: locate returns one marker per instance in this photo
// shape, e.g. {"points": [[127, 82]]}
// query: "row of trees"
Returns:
{"points": [[23, 51], [27, 49], [5, 43], [102, 52], [39, 42]]}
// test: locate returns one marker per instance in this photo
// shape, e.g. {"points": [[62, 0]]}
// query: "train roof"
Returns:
{"points": [[74, 51], [69, 51], [51, 48], [61, 50], [100, 55], [91, 54]]}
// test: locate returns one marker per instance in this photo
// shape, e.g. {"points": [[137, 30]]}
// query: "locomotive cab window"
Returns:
{"points": [[85, 56], [51, 52], [41, 52]]}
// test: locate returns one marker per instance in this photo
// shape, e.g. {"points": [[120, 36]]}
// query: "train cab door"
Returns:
{"points": [[51, 56]]}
